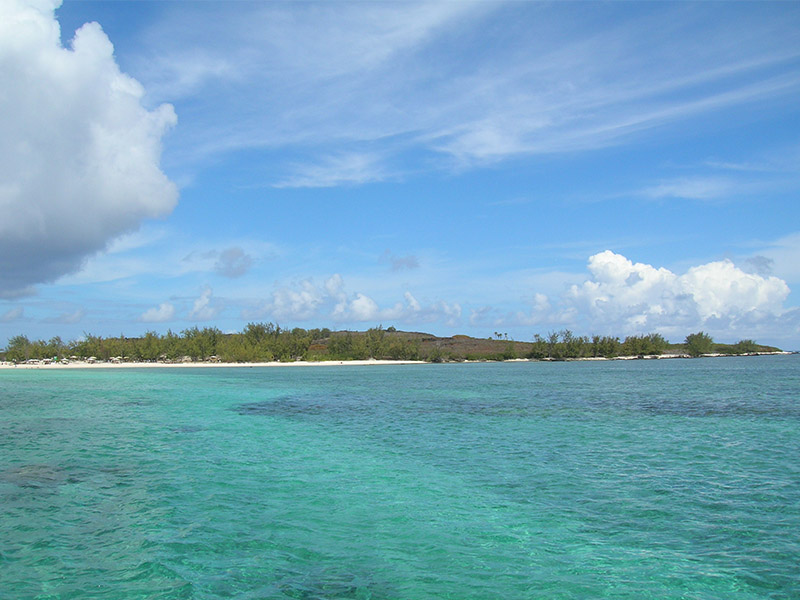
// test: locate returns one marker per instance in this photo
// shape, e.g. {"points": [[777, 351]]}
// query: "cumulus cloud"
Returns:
{"points": [[634, 297], [11, 315], [413, 311], [233, 262], [79, 154], [362, 308], [539, 312], [205, 307], [160, 314], [305, 300], [299, 303]]}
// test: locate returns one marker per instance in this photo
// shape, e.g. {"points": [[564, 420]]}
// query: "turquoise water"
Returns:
{"points": [[630, 479]]}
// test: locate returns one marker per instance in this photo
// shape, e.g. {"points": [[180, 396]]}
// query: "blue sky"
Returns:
{"points": [[451, 167]]}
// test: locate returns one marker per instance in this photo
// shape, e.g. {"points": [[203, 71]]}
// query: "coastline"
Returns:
{"points": [[71, 365], [206, 364]]}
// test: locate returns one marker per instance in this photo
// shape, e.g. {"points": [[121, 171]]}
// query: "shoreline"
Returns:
{"points": [[72, 365], [204, 364]]}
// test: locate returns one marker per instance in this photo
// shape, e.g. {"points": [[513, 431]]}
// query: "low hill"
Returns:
{"points": [[262, 342]]}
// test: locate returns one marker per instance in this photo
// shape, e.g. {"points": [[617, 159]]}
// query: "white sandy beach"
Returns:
{"points": [[201, 364], [332, 363]]}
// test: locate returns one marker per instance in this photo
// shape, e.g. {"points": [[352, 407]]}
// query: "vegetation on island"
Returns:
{"points": [[264, 342]]}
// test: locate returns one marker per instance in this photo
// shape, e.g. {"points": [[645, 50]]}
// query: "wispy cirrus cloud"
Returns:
{"points": [[717, 179], [693, 188], [330, 171], [344, 75]]}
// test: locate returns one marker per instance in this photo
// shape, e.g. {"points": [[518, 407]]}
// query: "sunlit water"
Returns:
{"points": [[635, 479]]}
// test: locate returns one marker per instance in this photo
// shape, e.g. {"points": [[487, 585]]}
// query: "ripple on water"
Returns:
{"points": [[650, 480]]}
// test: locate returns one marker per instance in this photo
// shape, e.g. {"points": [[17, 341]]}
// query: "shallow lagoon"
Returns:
{"points": [[629, 479]]}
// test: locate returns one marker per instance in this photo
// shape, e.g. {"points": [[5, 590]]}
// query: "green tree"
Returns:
{"points": [[609, 346], [698, 344], [538, 348], [346, 346], [595, 348], [553, 350], [656, 343], [574, 346], [19, 349], [376, 347], [745, 347], [150, 346]]}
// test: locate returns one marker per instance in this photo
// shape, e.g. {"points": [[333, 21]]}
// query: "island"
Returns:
{"points": [[268, 343]]}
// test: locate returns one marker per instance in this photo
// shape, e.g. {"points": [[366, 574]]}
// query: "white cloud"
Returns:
{"points": [[448, 313], [623, 296], [334, 285], [476, 82], [79, 154], [720, 289], [141, 238], [160, 314], [331, 171], [693, 188], [362, 308], [539, 312], [305, 300], [302, 303], [413, 303], [205, 307]]}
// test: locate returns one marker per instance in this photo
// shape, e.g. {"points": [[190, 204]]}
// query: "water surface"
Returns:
{"points": [[629, 479]]}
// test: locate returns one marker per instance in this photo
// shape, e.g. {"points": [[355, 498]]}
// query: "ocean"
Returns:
{"points": [[668, 479]]}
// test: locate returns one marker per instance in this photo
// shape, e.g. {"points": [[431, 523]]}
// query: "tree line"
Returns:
{"points": [[258, 342], [264, 342], [564, 344]]}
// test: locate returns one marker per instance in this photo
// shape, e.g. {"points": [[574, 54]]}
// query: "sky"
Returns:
{"points": [[449, 167]]}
